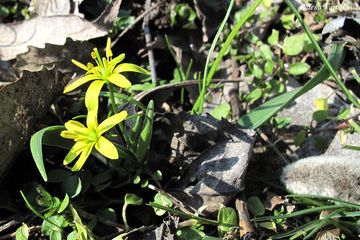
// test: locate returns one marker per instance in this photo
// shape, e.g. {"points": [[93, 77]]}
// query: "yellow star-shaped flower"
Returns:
{"points": [[107, 70], [90, 136]]}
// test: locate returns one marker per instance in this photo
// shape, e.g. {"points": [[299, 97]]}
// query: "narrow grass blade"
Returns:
{"points": [[198, 106], [298, 213]]}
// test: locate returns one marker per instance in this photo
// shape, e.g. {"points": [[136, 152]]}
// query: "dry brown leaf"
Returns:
{"points": [[216, 175], [23, 102], [273, 200], [16, 37]]}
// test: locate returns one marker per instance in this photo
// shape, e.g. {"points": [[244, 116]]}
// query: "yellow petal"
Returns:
{"points": [[84, 155], [77, 128], [106, 148], [119, 80], [74, 152], [92, 95], [92, 122], [115, 61], [108, 48], [67, 134], [110, 122], [80, 82], [79, 64], [129, 67]]}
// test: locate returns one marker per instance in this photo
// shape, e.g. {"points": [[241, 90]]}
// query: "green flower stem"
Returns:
{"points": [[123, 215], [114, 109]]}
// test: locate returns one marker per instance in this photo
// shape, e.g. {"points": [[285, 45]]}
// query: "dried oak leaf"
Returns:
{"points": [[16, 37], [23, 102], [216, 175]]}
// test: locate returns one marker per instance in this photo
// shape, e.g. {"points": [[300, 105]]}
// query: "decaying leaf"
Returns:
{"points": [[273, 200], [60, 56], [23, 102], [212, 157], [16, 37], [49, 7]]}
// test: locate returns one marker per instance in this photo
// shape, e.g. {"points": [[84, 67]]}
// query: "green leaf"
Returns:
{"points": [[64, 204], [145, 135], [22, 233], [132, 199], [300, 137], [267, 3], [142, 87], [228, 219], [255, 206], [72, 236], [103, 177], [163, 200], [293, 45], [58, 175], [269, 66], [282, 122], [157, 175], [288, 20], [80, 227], [136, 179], [107, 213], [55, 235], [266, 52], [299, 68], [254, 95], [268, 225], [221, 111], [190, 233], [258, 116], [320, 115], [72, 186], [48, 227], [308, 46], [36, 142], [256, 71], [273, 39]]}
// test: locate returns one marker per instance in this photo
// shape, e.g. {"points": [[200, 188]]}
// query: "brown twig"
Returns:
{"points": [[150, 52], [244, 218], [273, 146]]}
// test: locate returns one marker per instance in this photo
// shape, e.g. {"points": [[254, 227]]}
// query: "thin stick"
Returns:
{"points": [[147, 33], [137, 20]]}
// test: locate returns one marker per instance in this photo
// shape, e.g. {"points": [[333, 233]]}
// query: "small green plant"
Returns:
{"points": [[321, 212], [59, 217], [182, 15], [110, 141]]}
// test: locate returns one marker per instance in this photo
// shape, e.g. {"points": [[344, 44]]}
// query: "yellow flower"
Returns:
{"points": [[106, 70], [86, 137]]}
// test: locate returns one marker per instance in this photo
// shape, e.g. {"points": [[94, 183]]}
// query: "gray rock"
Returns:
{"points": [[301, 110]]}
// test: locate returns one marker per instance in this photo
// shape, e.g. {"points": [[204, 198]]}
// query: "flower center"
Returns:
{"points": [[93, 136]]}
